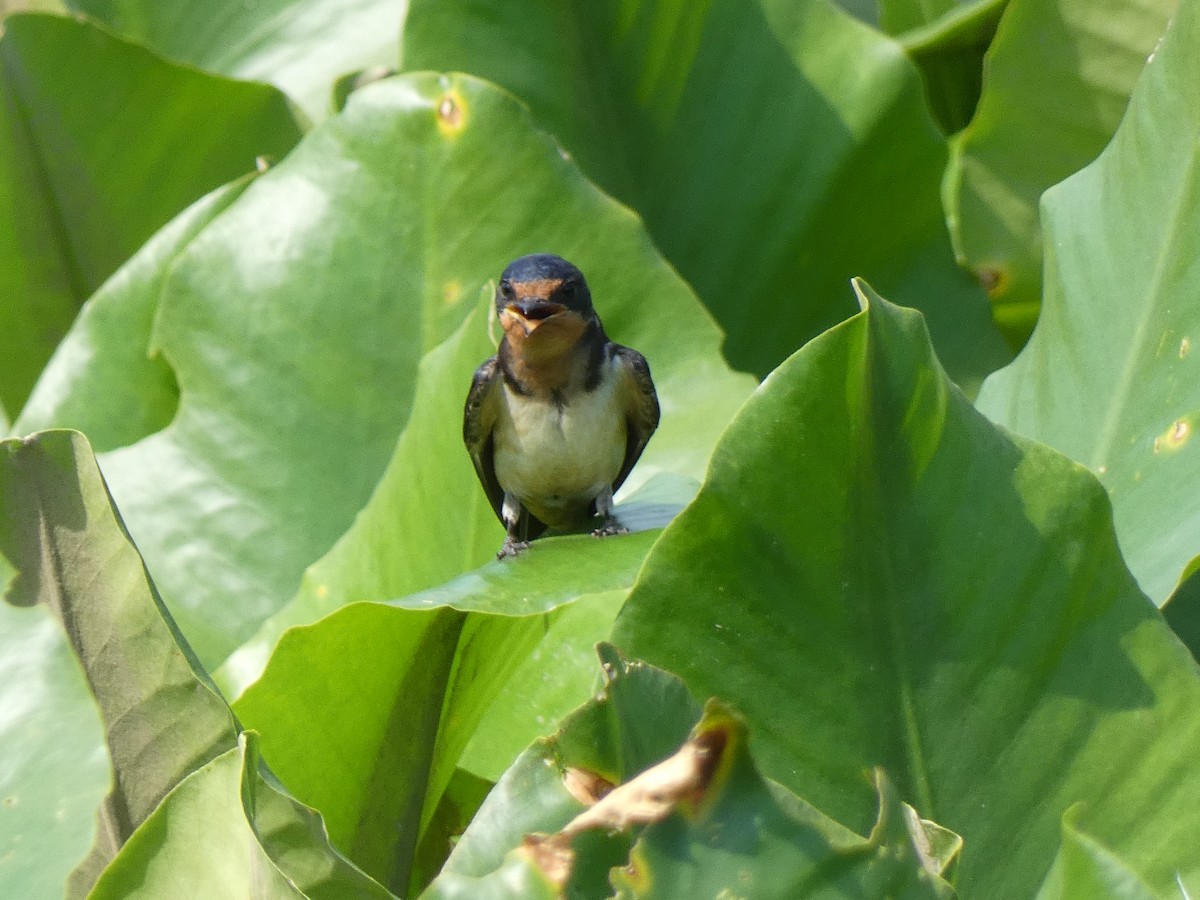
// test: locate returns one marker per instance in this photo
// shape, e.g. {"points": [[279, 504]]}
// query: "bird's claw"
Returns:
{"points": [[608, 529], [511, 548]]}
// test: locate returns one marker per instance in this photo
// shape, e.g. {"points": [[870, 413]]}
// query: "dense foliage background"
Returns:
{"points": [[905, 607]]}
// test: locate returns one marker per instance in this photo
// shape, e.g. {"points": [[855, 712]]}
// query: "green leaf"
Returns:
{"points": [[377, 233], [554, 679], [912, 557], [413, 680], [224, 831], [53, 768], [164, 721], [1085, 868], [1108, 377], [899, 16], [722, 828], [301, 46], [101, 142], [105, 379], [774, 150], [162, 717], [517, 879], [1183, 613], [1058, 78], [947, 42], [639, 717]]}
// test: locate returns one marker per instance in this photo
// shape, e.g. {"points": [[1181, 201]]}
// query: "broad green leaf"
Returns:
{"points": [[947, 40], [554, 679], [924, 592], [1085, 868], [1057, 81], [412, 680], [161, 715], [774, 149], [730, 831], [301, 46], [164, 722], [295, 320], [110, 346], [225, 831], [53, 768], [1108, 377], [101, 142]]}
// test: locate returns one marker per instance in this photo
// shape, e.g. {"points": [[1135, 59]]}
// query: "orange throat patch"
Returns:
{"points": [[542, 357]]}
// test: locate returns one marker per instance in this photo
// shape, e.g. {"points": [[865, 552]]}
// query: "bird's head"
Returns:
{"points": [[543, 304]]}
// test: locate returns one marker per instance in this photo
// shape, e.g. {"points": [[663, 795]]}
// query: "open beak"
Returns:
{"points": [[532, 313]]}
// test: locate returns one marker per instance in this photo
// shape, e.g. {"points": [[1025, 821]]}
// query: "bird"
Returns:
{"points": [[555, 421]]}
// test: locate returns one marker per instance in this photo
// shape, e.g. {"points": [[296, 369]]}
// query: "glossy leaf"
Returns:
{"points": [[71, 552], [101, 142], [414, 679], [917, 555], [301, 46], [224, 831], [1108, 377], [1058, 78], [774, 150], [110, 345], [347, 243]]}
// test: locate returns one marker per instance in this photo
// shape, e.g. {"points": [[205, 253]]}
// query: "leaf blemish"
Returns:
{"points": [[993, 280], [451, 114], [1174, 437], [1185, 347]]}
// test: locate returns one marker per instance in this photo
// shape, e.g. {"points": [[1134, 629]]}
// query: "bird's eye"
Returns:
{"points": [[567, 289], [506, 289]]}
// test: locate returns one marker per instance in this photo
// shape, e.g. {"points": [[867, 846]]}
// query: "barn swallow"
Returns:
{"points": [[557, 418]]}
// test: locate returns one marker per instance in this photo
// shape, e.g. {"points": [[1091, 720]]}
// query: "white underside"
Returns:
{"points": [[558, 460]]}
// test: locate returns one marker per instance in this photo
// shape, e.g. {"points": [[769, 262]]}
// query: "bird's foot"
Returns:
{"points": [[511, 548], [609, 528]]}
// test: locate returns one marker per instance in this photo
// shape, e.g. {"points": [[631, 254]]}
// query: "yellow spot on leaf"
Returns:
{"points": [[1185, 347], [451, 114], [1174, 437], [451, 291]]}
